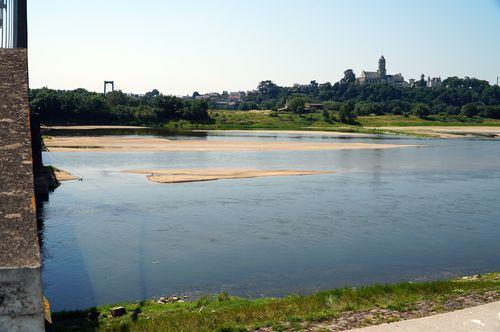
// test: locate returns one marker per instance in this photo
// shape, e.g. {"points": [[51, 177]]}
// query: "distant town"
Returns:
{"points": [[371, 93], [231, 100]]}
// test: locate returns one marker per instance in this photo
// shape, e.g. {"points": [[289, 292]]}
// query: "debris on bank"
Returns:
{"points": [[171, 299]]}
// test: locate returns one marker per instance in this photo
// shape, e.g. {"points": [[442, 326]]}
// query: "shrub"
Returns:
{"points": [[421, 110]]}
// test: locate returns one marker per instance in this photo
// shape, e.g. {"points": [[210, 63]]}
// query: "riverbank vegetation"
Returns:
{"points": [[469, 97], [466, 100], [84, 107], [223, 119], [353, 307]]}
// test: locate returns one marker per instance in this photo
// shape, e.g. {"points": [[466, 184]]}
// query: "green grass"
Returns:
{"points": [[435, 120], [315, 121], [225, 313], [257, 120]]}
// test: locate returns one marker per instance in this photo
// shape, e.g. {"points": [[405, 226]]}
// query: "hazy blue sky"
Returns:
{"points": [[213, 45]]}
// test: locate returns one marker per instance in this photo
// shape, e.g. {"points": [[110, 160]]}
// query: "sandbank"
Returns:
{"points": [[446, 131], [63, 175], [151, 144], [197, 175]]}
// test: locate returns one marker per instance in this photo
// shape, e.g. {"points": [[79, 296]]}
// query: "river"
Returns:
{"points": [[417, 213]]}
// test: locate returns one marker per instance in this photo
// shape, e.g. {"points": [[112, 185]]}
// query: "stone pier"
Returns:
{"points": [[20, 274]]}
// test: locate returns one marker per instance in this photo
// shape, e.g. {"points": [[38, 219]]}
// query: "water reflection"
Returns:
{"points": [[157, 132]]}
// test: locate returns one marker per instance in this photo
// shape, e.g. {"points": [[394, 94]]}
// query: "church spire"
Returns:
{"points": [[381, 67]]}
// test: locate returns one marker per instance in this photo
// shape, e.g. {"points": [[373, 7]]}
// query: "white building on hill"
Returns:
{"points": [[380, 76]]}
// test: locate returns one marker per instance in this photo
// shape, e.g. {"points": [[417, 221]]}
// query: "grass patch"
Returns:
{"points": [[223, 119], [434, 120], [226, 313]]}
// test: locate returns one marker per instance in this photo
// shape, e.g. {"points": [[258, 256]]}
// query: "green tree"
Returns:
{"points": [[115, 98], [196, 110], [346, 113], [491, 112], [421, 110], [268, 89], [470, 110], [349, 77], [169, 107], [297, 105]]}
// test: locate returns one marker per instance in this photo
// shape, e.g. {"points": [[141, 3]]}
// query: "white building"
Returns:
{"points": [[380, 76], [434, 82]]}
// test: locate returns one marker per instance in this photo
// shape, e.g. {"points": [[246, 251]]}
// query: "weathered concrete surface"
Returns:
{"points": [[20, 287], [484, 318], [20, 307]]}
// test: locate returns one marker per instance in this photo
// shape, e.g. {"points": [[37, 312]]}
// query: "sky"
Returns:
{"points": [[182, 46]]}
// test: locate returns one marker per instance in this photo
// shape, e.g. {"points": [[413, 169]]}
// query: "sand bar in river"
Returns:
{"points": [[63, 175], [152, 144], [196, 175], [446, 131]]}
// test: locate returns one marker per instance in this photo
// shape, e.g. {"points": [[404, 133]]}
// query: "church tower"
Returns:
{"points": [[381, 68]]}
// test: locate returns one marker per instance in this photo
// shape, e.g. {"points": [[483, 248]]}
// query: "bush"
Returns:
{"points": [[421, 110], [367, 108], [491, 112], [347, 114], [470, 110], [223, 297], [196, 110], [397, 110], [297, 105]]}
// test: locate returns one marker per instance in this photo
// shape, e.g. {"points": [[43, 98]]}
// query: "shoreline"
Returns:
{"points": [[90, 127], [440, 130], [333, 133], [336, 309], [444, 131]]}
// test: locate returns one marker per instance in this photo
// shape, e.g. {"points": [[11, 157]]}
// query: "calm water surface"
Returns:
{"points": [[387, 215]]}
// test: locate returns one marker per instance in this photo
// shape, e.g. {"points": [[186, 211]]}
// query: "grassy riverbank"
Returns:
{"points": [[315, 121], [345, 308]]}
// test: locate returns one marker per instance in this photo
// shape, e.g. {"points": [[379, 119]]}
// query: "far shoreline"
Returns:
{"points": [[90, 127], [368, 126]]}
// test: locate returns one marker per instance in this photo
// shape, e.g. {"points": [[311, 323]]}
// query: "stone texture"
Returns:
{"points": [[20, 277], [18, 232], [20, 305]]}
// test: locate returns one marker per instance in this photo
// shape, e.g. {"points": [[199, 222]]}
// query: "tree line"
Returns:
{"points": [[345, 99], [84, 107], [457, 96]]}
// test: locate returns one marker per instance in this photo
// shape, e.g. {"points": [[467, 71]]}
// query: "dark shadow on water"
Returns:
{"points": [[157, 132]]}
